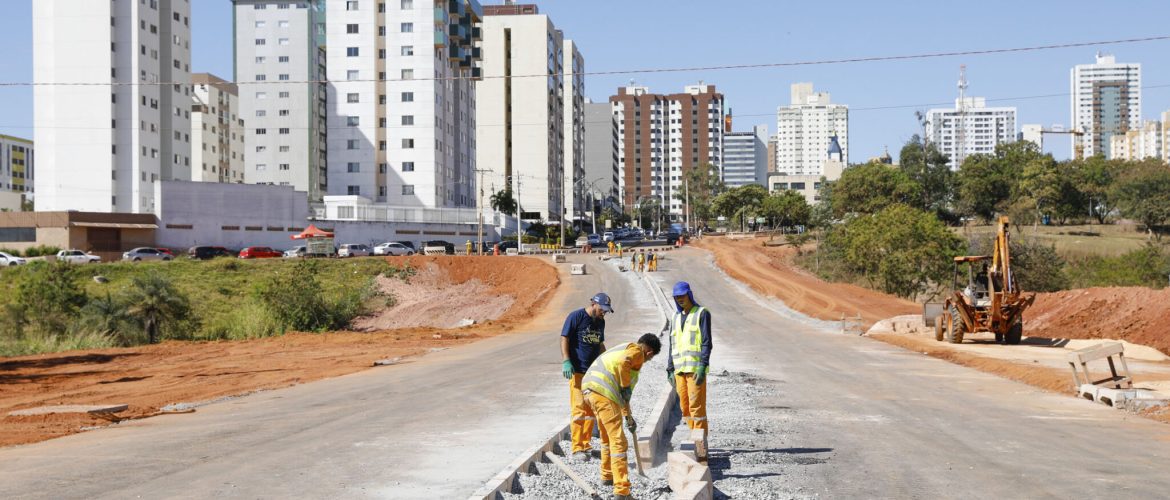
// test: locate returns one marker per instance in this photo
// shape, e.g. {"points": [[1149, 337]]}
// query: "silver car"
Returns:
{"points": [[393, 248], [7, 259], [145, 253], [354, 250]]}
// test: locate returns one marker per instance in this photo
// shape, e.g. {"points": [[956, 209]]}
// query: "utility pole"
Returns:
{"points": [[687, 201], [479, 205], [961, 130]]}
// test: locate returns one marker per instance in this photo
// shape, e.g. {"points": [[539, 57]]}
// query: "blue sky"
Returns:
{"points": [[641, 34]]}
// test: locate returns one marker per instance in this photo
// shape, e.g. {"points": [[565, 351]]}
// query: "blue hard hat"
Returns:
{"points": [[602, 299], [682, 288]]}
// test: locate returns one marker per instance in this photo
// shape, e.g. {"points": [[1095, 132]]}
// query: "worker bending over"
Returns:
{"points": [[690, 355], [608, 387], [582, 341]]}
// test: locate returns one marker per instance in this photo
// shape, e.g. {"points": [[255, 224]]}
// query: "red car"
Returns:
{"points": [[259, 253], [166, 251]]}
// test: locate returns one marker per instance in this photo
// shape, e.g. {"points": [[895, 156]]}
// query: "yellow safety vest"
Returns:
{"points": [[602, 374], [687, 344]]}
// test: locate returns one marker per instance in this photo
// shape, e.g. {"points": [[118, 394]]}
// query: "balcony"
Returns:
{"points": [[441, 16], [459, 32], [456, 7], [455, 53], [440, 38]]}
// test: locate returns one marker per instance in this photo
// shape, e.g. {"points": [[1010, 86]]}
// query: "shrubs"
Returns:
{"points": [[1148, 266], [39, 251]]}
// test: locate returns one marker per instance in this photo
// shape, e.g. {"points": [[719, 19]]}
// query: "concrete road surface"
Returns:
{"points": [[875, 421]]}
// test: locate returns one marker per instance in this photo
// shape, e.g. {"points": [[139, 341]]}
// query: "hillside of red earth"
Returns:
{"points": [[1136, 315], [149, 378]]}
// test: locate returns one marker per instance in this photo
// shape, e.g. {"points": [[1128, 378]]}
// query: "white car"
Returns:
{"points": [[7, 259], [354, 250], [145, 253], [607, 237], [393, 248], [295, 252], [77, 257]]}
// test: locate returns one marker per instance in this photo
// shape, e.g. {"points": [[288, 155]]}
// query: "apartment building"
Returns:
{"points": [[971, 127], [1106, 101], [280, 67], [402, 100], [1139, 143], [530, 125], [663, 137], [217, 132], [602, 175], [804, 127], [745, 157], [104, 147], [17, 164]]}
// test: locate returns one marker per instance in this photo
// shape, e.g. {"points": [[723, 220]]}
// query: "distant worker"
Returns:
{"points": [[633, 262], [468, 247], [582, 341], [653, 266], [610, 247], [619, 249], [608, 387], [690, 355], [641, 262]]}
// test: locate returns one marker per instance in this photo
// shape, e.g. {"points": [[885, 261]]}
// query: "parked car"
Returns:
{"points": [[259, 253], [77, 257], [594, 240], [354, 250], [7, 259], [448, 248], [295, 252], [672, 237], [206, 252], [407, 244], [608, 237], [145, 253], [393, 248], [505, 245], [166, 251]]}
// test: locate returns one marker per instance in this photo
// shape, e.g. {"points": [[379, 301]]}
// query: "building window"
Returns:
{"points": [[283, 41], [283, 131], [407, 4], [261, 59], [408, 166], [408, 97], [408, 50], [382, 191], [283, 77], [283, 112], [261, 131], [354, 190], [351, 5], [260, 167], [353, 97], [353, 144], [381, 168], [408, 74], [408, 144], [282, 59], [408, 119], [353, 167], [261, 112], [352, 121], [284, 166], [351, 52], [284, 149], [351, 29], [260, 41], [407, 190], [351, 75], [284, 95], [407, 27]]}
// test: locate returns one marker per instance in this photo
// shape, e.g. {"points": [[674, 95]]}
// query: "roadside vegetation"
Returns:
{"points": [[895, 228], [50, 307]]}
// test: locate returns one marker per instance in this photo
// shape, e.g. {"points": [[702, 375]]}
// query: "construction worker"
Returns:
{"points": [[468, 247], [690, 355], [619, 249], [610, 247], [608, 387], [633, 262], [582, 341], [653, 266], [641, 262]]}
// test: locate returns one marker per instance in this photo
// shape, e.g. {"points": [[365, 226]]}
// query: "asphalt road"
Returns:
{"points": [[874, 421], [439, 426]]}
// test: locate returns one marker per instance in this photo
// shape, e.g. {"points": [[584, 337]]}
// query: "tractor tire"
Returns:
{"points": [[955, 327], [998, 338], [938, 327], [1014, 334]]}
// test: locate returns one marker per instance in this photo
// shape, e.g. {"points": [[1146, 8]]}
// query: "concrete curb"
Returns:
{"points": [[650, 446], [506, 480]]}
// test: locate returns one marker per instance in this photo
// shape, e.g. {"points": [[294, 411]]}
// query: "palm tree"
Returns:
{"points": [[502, 201], [154, 300], [105, 315]]}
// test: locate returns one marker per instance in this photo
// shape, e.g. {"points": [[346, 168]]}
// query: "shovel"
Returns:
{"points": [[634, 443]]}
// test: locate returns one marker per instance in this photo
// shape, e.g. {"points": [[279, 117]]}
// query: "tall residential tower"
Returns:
{"points": [[1106, 101], [978, 128], [804, 129]]}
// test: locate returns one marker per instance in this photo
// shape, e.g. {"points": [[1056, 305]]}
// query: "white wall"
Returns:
{"points": [[195, 213]]}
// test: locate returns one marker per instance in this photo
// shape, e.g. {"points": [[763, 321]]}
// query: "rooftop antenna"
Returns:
{"points": [[961, 129]]}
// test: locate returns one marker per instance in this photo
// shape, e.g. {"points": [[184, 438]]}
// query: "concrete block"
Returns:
{"points": [[698, 439], [679, 466], [577, 269], [695, 491], [559, 258], [1088, 391], [1114, 397]]}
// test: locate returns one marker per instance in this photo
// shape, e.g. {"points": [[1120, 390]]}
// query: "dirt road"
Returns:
{"points": [[149, 378], [770, 272]]}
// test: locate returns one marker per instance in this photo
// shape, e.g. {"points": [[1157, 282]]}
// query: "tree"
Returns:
{"points": [[989, 183], [1095, 177], [786, 209], [1051, 188], [868, 188], [927, 166], [1142, 193], [703, 185], [902, 250], [740, 203], [503, 202], [106, 315], [48, 298], [156, 303]]}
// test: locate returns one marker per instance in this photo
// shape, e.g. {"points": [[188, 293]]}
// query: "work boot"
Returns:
{"points": [[623, 497], [607, 482], [582, 456]]}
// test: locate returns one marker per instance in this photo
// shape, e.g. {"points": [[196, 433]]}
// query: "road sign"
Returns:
{"points": [[529, 215]]}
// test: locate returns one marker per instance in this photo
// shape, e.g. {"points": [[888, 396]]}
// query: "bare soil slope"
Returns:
{"points": [[1137, 315], [149, 378]]}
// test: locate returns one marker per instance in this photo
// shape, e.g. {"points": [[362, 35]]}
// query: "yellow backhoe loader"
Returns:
{"points": [[990, 302]]}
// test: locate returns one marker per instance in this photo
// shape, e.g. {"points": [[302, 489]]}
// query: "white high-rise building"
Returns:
{"points": [[280, 62], [803, 130], [574, 131], [217, 131], [104, 147], [1166, 136], [978, 128], [745, 157], [528, 125], [1106, 101], [402, 100], [1138, 144], [601, 152]]}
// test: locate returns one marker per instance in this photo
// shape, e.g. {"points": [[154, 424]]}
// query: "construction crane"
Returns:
{"points": [[1036, 133]]}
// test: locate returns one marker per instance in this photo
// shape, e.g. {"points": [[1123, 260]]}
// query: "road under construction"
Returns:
{"points": [[796, 410]]}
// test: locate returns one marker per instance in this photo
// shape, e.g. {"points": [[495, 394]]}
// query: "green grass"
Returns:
{"points": [[1072, 242], [220, 292]]}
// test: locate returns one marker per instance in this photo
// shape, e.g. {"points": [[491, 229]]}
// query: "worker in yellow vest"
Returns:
{"points": [[468, 247], [690, 355], [608, 387]]}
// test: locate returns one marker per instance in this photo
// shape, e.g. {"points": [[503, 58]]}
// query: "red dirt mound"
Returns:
{"points": [[1137, 315]]}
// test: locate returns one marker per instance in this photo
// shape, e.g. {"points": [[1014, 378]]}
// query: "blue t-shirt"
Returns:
{"points": [[585, 336]]}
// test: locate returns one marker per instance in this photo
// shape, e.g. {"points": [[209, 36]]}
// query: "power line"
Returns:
{"points": [[823, 62]]}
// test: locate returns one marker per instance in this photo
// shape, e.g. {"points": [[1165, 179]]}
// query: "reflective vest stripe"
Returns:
{"points": [[687, 341]]}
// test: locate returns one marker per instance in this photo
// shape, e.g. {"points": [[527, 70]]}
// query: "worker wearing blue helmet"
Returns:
{"points": [[690, 355]]}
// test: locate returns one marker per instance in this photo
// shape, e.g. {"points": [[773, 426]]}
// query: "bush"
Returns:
{"points": [[249, 321], [41, 250], [1148, 266], [48, 298], [1037, 267], [9, 251], [296, 300]]}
